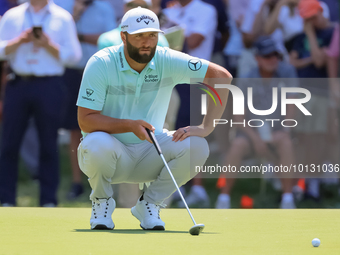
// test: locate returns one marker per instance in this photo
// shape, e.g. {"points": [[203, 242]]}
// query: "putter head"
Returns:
{"points": [[196, 229]]}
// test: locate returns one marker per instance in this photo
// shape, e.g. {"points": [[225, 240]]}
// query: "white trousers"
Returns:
{"points": [[105, 160]]}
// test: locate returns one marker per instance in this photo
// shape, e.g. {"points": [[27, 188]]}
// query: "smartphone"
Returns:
{"points": [[37, 31]]}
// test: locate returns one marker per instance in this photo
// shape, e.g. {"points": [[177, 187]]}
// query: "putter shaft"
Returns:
{"points": [[179, 191]]}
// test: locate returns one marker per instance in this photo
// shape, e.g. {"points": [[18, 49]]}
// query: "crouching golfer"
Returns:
{"points": [[124, 90]]}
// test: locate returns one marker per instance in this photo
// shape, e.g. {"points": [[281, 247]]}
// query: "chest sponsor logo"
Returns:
{"points": [[151, 78], [195, 64]]}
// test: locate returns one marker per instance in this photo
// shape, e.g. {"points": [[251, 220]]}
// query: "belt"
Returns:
{"points": [[31, 77]]}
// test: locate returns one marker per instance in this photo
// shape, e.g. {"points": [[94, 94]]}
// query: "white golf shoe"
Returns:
{"points": [[148, 215], [102, 210]]}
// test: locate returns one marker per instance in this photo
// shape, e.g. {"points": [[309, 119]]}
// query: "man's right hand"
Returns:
{"points": [[26, 36], [138, 128]]}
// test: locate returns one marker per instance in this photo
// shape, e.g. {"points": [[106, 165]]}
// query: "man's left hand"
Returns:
{"points": [[185, 132], [181, 134]]}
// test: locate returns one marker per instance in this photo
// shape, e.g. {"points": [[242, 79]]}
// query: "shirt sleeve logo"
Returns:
{"points": [[195, 64], [89, 92]]}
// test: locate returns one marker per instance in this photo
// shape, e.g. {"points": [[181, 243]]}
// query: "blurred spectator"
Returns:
{"points": [[232, 51], [333, 72], [222, 31], [92, 19], [199, 21], [271, 143], [287, 17], [309, 57], [252, 27], [36, 38], [2, 84], [164, 22], [118, 7], [4, 6], [29, 150], [333, 67], [113, 38]]}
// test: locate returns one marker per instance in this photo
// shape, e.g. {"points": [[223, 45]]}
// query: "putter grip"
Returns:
{"points": [[153, 139]]}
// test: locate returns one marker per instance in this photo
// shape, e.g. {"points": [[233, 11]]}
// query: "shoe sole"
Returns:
{"points": [[154, 228], [137, 216], [102, 227]]}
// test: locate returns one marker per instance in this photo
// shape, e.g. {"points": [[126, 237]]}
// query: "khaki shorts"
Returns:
{"points": [[318, 106]]}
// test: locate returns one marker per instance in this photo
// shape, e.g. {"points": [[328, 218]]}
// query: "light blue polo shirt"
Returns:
{"points": [[111, 86]]}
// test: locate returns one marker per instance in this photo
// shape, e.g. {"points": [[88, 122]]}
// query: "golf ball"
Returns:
{"points": [[316, 242]]}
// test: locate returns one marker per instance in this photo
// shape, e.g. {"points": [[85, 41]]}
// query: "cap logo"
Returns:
{"points": [[145, 18]]}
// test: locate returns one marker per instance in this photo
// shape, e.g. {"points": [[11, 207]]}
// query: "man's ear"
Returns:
{"points": [[123, 36]]}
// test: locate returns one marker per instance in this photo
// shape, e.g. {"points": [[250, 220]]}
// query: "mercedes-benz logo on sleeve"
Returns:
{"points": [[195, 64]]}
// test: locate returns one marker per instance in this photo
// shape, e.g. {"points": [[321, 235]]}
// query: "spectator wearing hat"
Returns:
{"points": [[271, 143], [286, 16], [309, 57]]}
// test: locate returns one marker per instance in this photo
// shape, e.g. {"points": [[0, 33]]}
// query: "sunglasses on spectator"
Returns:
{"points": [[274, 54], [134, 5]]}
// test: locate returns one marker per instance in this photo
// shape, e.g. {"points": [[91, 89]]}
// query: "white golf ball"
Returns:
{"points": [[316, 242]]}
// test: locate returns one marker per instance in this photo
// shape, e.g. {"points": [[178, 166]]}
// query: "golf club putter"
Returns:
{"points": [[197, 228]]}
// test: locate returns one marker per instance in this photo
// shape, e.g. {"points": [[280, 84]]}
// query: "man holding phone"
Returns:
{"points": [[36, 38]]}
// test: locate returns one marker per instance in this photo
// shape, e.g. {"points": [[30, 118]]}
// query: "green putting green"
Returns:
{"points": [[235, 231]]}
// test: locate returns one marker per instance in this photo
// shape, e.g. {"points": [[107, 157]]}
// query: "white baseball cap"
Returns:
{"points": [[140, 20]]}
